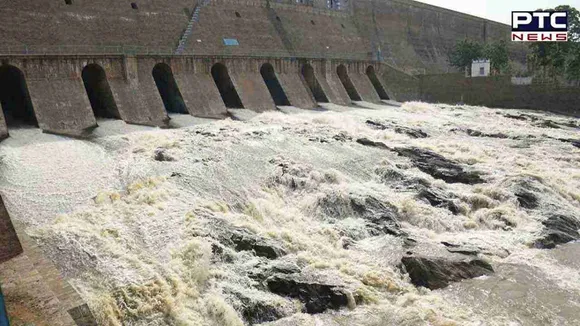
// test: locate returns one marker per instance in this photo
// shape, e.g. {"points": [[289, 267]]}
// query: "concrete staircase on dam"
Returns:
{"points": [[189, 29]]}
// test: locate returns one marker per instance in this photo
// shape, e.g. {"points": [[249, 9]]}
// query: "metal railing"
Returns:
{"points": [[84, 49], [167, 50], [224, 52]]}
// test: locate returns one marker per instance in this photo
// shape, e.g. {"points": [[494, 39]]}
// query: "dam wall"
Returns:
{"points": [[412, 36], [498, 91], [65, 94], [417, 37]]}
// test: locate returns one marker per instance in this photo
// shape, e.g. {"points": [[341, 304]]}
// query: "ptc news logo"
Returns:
{"points": [[539, 26]]}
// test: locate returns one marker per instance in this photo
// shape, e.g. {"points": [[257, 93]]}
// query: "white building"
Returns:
{"points": [[480, 68]]}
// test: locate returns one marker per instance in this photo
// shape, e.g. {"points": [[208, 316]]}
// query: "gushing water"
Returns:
{"points": [[141, 222]]}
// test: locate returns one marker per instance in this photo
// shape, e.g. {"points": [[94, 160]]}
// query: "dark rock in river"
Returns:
{"points": [[258, 307], [368, 142], [461, 249], [559, 229], [538, 122], [547, 124], [438, 166], [257, 312], [438, 198], [342, 137], [242, 239], [162, 155], [470, 250], [274, 267], [526, 199], [413, 133], [521, 117], [316, 297], [374, 210], [476, 133], [573, 142], [381, 216], [437, 273], [431, 163], [528, 190], [245, 241]]}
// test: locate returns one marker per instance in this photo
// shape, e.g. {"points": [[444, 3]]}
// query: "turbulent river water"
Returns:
{"points": [[141, 220]]}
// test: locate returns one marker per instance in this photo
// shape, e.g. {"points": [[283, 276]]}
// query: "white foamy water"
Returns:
{"points": [[134, 234]]}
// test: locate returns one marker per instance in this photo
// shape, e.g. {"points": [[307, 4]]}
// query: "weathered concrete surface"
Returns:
{"points": [[339, 93], [416, 37], [319, 67], [96, 22], [62, 106], [3, 126], [203, 95], [290, 78], [198, 88], [57, 93], [253, 91], [362, 83], [323, 32], [133, 105], [498, 91], [147, 96], [9, 244], [364, 87], [250, 85], [34, 290], [410, 35], [28, 298], [253, 29], [399, 85], [297, 94]]}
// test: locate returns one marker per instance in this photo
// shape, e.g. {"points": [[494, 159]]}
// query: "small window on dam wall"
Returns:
{"points": [[99, 92], [313, 85], [168, 89], [377, 83], [225, 86], [68, 2], [238, 15], [14, 97], [274, 87], [134, 5]]}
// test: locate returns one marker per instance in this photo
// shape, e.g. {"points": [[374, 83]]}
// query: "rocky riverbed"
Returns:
{"points": [[370, 215]]}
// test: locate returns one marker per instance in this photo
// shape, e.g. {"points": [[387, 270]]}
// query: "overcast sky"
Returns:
{"points": [[499, 10]]}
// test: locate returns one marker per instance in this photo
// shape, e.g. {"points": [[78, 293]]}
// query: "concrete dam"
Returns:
{"points": [[138, 61], [356, 193], [65, 94]]}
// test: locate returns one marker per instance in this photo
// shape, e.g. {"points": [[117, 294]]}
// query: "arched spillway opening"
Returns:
{"points": [[276, 90], [99, 92], [225, 86], [312, 82], [377, 83], [168, 89], [347, 83], [15, 98]]}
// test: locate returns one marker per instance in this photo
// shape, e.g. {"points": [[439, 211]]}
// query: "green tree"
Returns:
{"points": [[559, 58], [464, 53], [498, 55]]}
